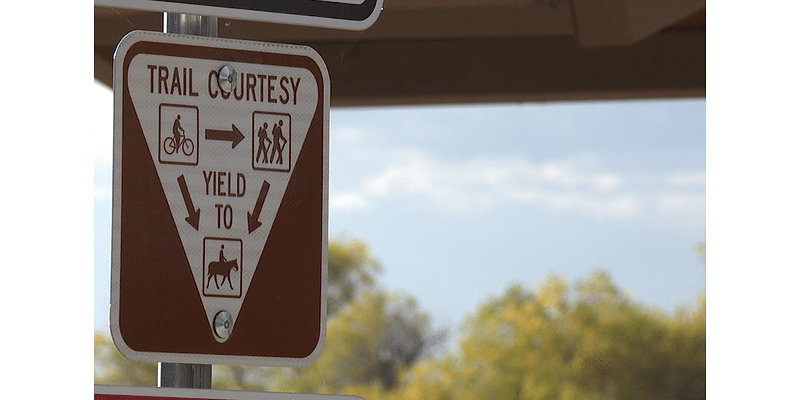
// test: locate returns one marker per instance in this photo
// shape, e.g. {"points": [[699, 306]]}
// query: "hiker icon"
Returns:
{"points": [[221, 267], [271, 142], [277, 136], [178, 139], [262, 147]]}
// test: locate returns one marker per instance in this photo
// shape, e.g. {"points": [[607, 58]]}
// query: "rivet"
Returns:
{"points": [[223, 325], [227, 79]]}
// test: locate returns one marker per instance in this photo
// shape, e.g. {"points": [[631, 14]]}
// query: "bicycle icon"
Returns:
{"points": [[178, 139], [178, 134], [186, 145]]}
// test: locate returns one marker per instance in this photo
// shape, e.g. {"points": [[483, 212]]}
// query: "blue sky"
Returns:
{"points": [[459, 202]]}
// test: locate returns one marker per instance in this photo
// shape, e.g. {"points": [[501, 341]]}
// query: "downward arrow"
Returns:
{"points": [[234, 135], [194, 215], [252, 219]]}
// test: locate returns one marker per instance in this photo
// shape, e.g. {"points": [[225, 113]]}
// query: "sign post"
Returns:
{"points": [[219, 240], [177, 374]]}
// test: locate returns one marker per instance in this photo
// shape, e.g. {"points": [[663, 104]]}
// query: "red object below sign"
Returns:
{"points": [[103, 392]]}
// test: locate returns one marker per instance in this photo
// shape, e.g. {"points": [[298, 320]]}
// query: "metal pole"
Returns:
{"points": [[184, 375], [187, 24], [175, 374]]}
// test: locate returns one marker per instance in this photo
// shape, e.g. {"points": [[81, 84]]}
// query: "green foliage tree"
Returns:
{"points": [[700, 250], [590, 342], [112, 368], [351, 270], [369, 342]]}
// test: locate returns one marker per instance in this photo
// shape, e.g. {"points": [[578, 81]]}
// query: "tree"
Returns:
{"points": [[590, 342], [112, 368], [700, 250], [351, 270], [351, 273], [368, 343]]}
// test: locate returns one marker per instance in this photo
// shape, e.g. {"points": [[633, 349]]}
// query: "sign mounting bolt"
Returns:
{"points": [[223, 324], [227, 79]]}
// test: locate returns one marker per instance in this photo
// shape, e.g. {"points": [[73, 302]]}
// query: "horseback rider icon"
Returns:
{"points": [[221, 267]]}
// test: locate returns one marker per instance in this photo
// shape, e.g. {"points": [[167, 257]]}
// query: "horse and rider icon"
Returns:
{"points": [[220, 269], [278, 143]]}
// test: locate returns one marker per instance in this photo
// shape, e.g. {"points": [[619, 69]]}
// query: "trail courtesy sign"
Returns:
{"points": [[220, 201]]}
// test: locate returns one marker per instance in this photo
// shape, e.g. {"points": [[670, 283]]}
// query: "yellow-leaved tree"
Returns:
{"points": [[590, 342]]}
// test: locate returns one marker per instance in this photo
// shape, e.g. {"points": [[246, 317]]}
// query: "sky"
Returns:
{"points": [[459, 202]]}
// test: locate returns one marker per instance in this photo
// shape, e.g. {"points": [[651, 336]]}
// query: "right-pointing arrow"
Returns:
{"points": [[252, 219], [233, 135]]}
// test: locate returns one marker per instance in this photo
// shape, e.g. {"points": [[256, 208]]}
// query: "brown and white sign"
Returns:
{"points": [[220, 201]]}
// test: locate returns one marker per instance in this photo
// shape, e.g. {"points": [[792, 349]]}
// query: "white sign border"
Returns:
{"points": [[252, 15], [193, 358]]}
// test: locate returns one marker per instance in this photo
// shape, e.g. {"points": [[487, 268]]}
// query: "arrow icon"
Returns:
{"points": [[252, 219], [194, 215], [234, 135]]}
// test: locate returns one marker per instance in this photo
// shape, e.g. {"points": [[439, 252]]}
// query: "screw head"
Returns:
{"points": [[223, 325], [227, 79]]}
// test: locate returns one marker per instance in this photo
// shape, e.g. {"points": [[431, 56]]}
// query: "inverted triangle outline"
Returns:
{"points": [[187, 192]]}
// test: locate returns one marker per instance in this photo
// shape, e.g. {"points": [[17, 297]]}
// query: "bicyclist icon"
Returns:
{"points": [[178, 134], [178, 140]]}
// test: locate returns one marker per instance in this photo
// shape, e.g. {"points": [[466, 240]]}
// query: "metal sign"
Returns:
{"points": [[219, 239], [103, 392], [341, 14]]}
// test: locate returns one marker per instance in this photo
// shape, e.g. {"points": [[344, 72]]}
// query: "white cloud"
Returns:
{"points": [[687, 179], [350, 134], [416, 176], [674, 202], [559, 173], [102, 193], [348, 201], [606, 182], [580, 184]]}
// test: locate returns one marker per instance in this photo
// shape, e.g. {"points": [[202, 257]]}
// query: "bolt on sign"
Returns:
{"points": [[338, 14], [219, 240]]}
